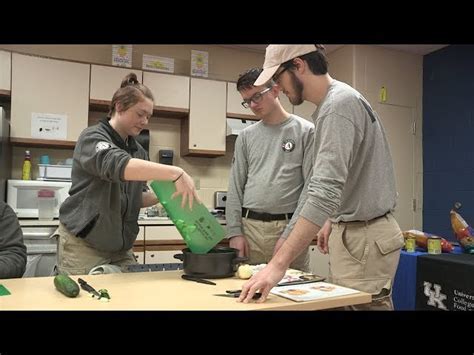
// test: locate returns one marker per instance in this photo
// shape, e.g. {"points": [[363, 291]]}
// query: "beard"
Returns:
{"points": [[298, 87]]}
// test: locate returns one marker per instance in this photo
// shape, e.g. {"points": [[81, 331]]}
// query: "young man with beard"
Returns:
{"points": [[353, 182]]}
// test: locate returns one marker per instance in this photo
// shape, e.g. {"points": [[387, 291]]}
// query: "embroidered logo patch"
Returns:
{"points": [[102, 146], [288, 145]]}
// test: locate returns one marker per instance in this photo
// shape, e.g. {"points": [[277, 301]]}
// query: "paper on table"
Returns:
{"points": [[312, 291]]}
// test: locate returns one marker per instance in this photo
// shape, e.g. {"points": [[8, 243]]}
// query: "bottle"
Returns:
{"points": [[46, 204], [199, 228], [26, 172]]}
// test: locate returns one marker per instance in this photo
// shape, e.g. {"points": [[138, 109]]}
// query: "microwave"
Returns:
{"points": [[22, 195]]}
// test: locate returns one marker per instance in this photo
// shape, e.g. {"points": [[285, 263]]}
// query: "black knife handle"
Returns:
{"points": [[197, 279]]}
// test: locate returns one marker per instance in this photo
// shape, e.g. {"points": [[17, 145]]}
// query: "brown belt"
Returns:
{"points": [[265, 217]]}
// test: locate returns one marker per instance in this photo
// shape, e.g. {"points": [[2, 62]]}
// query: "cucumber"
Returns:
{"points": [[66, 285]]}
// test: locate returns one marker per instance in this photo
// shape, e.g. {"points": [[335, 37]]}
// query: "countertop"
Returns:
{"points": [[149, 221], [163, 290]]}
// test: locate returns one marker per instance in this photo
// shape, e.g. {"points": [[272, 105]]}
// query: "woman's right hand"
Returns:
{"points": [[185, 187]]}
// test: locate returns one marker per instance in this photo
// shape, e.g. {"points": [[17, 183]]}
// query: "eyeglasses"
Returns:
{"points": [[255, 98], [276, 76]]}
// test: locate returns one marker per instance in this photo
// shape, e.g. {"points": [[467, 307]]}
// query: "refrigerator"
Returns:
{"points": [[5, 154]]}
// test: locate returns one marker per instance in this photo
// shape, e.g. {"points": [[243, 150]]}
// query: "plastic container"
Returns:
{"points": [[199, 228], [46, 203]]}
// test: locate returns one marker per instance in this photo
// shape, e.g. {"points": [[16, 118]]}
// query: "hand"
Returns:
{"points": [[263, 281], [240, 242], [323, 237], [185, 187], [278, 245]]}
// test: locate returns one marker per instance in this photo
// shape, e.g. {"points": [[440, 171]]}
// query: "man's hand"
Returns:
{"points": [[240, 242], [323, 237], [278, 245], [263, 282]]}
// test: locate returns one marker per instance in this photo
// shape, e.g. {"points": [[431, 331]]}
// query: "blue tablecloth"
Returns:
{"points": [[404, 287]]}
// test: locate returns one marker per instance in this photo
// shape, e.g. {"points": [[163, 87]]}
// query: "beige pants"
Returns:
{"points": [[262, 237], [77, 257], [364, 256]]}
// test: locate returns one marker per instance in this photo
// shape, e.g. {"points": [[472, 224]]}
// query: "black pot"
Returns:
{"points": [[219, 262]]}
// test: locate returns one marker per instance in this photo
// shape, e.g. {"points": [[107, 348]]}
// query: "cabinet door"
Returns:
{"points": [[305, 110], [139, 254], [169, 91], [52, 86], [162, 233], [318, 263], [141, 233], [204, 133], [5, 72], [234, 104], [106, 80], [161, 256]]}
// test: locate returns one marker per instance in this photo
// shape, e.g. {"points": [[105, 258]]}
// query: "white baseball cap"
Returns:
{"points": [[277, 54]]}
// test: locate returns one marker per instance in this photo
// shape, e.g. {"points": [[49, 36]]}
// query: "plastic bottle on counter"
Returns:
{"points": [[199, 228], [26, 171], [46, 203]]}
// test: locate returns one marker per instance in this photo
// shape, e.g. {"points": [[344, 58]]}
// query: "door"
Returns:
{"points": [[398, 124]]}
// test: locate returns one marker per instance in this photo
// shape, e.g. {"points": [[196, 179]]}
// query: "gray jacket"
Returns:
{"points": [[103, 208], [12, 248]]}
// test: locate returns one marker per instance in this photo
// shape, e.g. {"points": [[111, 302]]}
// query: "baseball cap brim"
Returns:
{"points": [[266, 75]]}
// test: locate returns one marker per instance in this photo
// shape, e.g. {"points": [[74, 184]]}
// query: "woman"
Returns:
{"points": [[98, 221]]}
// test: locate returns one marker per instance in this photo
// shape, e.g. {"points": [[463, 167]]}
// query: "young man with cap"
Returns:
{"points": [[271, 169], [352, 191]]}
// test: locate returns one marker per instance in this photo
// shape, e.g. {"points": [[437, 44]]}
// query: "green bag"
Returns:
{"points": [[199, 228]]}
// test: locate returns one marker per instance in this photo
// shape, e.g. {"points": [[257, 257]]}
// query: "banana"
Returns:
{"points": [[463, 231]]}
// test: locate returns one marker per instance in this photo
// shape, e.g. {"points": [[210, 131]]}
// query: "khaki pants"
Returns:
{"points": [[77, 257], [262, 237], [364, 256]]}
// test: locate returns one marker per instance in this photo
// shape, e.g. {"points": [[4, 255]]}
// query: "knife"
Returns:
{"points": [[86, 287], [197, 279]]}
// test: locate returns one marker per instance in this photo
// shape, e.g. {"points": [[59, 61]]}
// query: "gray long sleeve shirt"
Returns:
{"points": [[271, 169], [12, 248], [353, 177]]}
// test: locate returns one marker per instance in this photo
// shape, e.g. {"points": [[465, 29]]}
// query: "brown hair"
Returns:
{"points": [[131, 91], [247, 78]]}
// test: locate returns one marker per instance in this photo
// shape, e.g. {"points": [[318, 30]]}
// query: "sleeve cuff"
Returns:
{"points": [[313, 214]]}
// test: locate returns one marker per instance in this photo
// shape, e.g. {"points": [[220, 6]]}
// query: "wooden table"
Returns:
{"points": [[151, 291]]}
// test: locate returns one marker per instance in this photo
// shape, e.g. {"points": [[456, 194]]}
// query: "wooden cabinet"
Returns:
{"points": [[162, 255], [171, 93], [163, 234], [42, 85], [5, 72], [204, 133], [106, 80], [234, 104], [305, 110]]}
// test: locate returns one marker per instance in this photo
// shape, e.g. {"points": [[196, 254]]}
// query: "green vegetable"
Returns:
{"points": [[66, 285]]}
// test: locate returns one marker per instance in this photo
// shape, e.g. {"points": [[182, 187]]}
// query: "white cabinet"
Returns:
{"points": [[318, 262], [204, 133], [141, 233], [5, 72], [305, 110], [106, 80], [139, 255], [234, 104], [161, 256], [169, 91], [160, 233], [42, 85]]}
